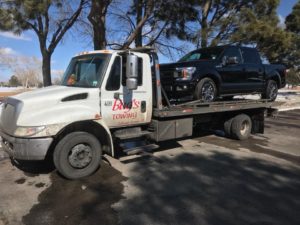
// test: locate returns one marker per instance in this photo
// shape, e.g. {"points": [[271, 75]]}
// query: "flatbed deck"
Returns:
{"points": [[198, 107]]}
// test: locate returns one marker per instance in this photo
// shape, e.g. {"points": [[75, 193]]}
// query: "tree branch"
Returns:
{"points": [[147, 14], [63, 29], [158, 35]]}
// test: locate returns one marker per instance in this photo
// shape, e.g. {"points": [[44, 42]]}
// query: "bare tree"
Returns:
{"points": [[57, 76], [50, 20], [150, 23], [26, 69]]}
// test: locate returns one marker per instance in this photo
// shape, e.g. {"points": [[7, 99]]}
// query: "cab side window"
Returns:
{"points": [[233, 52], [113, 81]]}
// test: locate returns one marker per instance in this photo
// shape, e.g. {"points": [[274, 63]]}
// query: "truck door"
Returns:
{"points": [[254, 69], [233, 78], [123, 107]]}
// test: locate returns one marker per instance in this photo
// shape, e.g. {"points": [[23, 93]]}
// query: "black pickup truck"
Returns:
{"points": [[222, 72]]}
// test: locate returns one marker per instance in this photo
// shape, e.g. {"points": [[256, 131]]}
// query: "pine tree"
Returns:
{"points": [[293, 25], [259, 25]]}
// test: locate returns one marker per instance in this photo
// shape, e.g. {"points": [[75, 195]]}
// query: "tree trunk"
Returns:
{"points": [[97, 18], [46, 67], [204, 25], [148, 10], [99, 34], [203, 34], [139, 17]]}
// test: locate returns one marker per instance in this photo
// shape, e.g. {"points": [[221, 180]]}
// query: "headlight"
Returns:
{"points": [[186, 73], [28, 131]]}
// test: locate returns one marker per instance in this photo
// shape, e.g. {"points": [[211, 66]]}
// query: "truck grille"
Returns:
{"points": [[168, 77]]}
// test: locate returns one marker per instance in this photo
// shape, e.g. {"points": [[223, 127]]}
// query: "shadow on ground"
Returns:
{"points": [[214, 189], [33, 168], [209, 187], [85, 201]]}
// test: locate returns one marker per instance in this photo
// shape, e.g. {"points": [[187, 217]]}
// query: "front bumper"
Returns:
{"points": [[180, 88], [25, 148]]}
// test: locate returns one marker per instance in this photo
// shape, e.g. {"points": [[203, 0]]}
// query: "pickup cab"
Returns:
{"points": [[112, 102], [223, 71]]}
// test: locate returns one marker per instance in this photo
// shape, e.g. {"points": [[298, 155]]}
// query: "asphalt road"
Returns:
{"points": [[207, 179]]}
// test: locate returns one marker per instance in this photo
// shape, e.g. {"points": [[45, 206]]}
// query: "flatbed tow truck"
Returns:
{"points": [[107, 99]]}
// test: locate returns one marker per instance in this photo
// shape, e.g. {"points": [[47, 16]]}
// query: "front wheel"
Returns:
{"points": [[206, 90], [77, 155], [271, 90]]}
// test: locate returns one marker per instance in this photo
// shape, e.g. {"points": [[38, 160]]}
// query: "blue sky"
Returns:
{"points": [[27, 44]]}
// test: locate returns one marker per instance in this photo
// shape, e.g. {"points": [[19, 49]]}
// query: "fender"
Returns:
{"points": [[109, 136], [274, 75], [96, 127], [208, 72]]}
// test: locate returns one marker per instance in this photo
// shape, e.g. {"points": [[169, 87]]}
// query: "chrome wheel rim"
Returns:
{"points": [[273, 91], [80, 156], [208, 92], [245, 127]]}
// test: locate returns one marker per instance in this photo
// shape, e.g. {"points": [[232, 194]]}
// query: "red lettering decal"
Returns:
{"points": [[135, 104], [118, 105]]}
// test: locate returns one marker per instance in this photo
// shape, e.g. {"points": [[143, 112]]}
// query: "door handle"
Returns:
{"points": [[143, 106], [260, 71], [117, 95]]}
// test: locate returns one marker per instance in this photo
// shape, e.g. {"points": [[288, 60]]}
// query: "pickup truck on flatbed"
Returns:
{"points": [[109, 99], [222, 71]]}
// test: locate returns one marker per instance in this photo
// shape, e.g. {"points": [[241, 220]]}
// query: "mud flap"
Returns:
{"points": [[258, 122]]}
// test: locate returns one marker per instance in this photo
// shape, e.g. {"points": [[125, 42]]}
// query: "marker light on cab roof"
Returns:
{"points": [[97, 51]]}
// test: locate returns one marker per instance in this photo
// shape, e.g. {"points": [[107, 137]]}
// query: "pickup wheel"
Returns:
{"points": [[271, 90], [206, 90], [241, 127], [77, 155]]}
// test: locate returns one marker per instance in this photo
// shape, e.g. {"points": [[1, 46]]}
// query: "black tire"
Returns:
{"points": [[68, 154], [227, 127], [206, 90], [241, 127], [271, 90]]}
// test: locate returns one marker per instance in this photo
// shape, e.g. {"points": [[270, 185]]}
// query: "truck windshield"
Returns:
{"points": [[203, 54], [86, 71]]}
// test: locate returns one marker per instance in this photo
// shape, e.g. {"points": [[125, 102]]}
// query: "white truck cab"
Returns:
{"points": [[106, 96]]}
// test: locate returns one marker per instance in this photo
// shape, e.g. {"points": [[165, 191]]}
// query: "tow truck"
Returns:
{"points": [[107, 99]]}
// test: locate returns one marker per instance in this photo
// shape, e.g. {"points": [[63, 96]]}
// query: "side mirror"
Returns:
{"points": [[132, 72]]}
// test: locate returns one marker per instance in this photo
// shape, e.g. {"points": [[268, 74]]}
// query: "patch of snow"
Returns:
{"points": [[288, 109], [9, 89]]}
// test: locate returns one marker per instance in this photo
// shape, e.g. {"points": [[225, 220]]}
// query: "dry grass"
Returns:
{"points": [[10, 93]]}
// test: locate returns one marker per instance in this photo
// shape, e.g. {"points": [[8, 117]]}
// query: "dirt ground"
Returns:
{"points": [[207, 179]]}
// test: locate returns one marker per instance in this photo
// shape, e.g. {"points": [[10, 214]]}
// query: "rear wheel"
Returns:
{"points": [[227, 127], [271, 90], [77, 155], [206, 90], [241, 127]]}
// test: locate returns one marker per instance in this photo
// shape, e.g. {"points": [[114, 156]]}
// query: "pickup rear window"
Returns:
{"points": [[250, 55]]}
